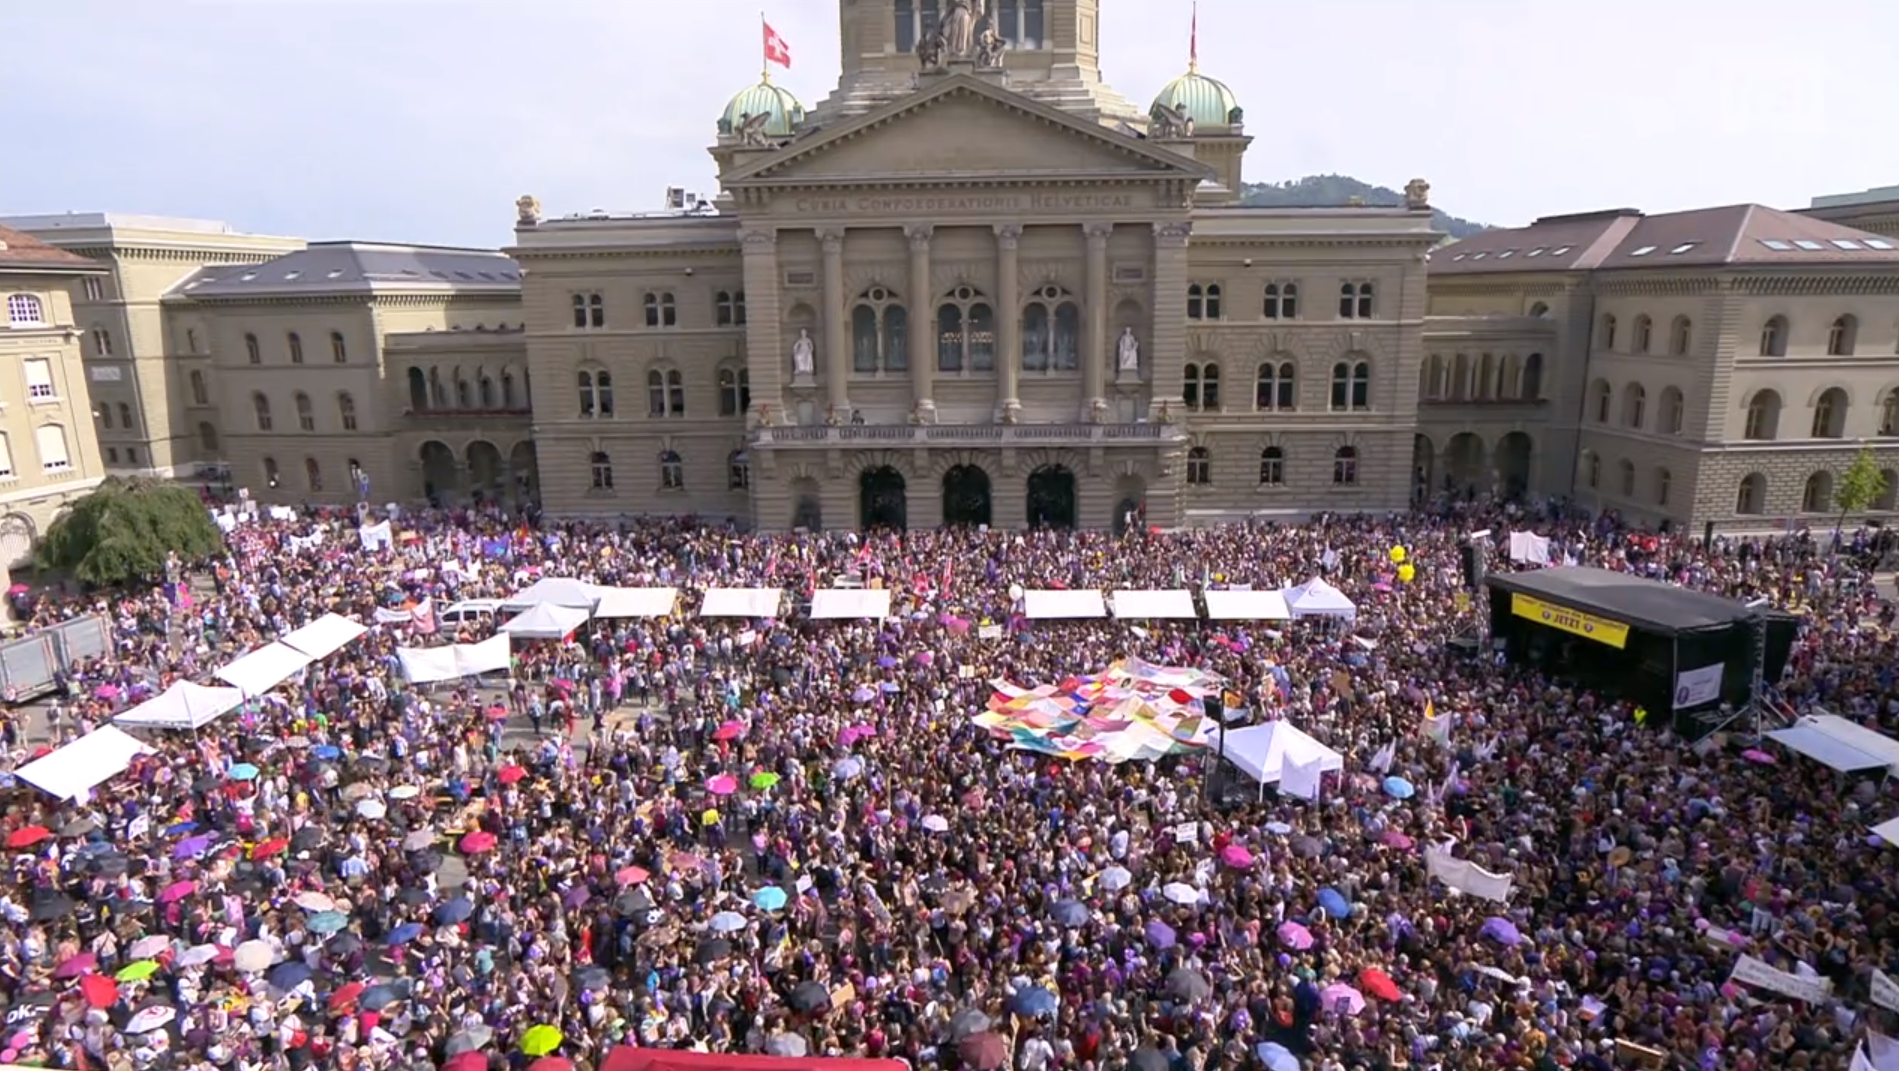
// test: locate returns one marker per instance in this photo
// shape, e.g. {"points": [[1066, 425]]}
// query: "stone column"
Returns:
{"points": [[1094, 323], [764, 324], [1168, 323], [837, 344], [921, 306], [1008, 323]]}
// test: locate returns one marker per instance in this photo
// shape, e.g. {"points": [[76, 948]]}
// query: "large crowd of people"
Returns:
{"points": [[788, 837]]}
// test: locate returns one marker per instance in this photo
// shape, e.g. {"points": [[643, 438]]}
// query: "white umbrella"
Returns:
{"points": [[149, 1019], [197, 955], [314, 901], [252, 956], [936, 823], [372, 809], [1116, 878], [404, 792], [1180, 892], [149, 947], [727, 922], [1277, 1057]]}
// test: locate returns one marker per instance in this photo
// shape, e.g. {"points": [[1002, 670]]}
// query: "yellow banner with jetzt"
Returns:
{"points": [[1575, 622]]}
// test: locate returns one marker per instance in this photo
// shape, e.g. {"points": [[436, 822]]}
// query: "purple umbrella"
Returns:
{"points": [[191, 847], [1160, 935], [576, 896], [1502, 931], [1295, 936]]}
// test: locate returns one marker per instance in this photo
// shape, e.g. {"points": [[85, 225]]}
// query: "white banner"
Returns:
{"points": [[1694, 687], [1755, 972], [1467, 877], [376, 536], [1885, 990], [1877, 1053], [1529, 548]]}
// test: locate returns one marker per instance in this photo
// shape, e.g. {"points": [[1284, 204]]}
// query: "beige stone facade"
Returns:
{"points": [[1719, 367], [48, 453]]}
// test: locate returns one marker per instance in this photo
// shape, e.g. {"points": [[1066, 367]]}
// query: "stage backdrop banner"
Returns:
{"points": [[1694, 687], [1575, 622]]}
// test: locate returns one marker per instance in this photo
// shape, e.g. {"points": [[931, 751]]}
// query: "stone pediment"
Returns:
{"points": [[963, 127]]}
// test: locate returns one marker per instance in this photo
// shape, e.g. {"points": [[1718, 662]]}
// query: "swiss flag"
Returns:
{"points": [[776, 49]]}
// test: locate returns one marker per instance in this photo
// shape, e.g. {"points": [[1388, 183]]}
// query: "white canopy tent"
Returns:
{"points": [[325, 636], [1857, 736], [559, 590], [1263, 751], [1225, 605], [1041, 604], [426, 665], [741, 602], [74, 770], [1154, 605], [1316, 598], [184, 705], [1827, 750], [545, 621], [265, 668], [1888, 831], [836, 604], [636, 602]]}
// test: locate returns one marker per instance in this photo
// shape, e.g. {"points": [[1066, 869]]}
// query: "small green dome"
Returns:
{"points": [[1207, 101], [764, 99]]}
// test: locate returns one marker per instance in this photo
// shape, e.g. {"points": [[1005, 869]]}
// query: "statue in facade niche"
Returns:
{"points": [[930, 51], [527, 209], [959, 28], [1127, 351], [803, 354], [1167, 121]]}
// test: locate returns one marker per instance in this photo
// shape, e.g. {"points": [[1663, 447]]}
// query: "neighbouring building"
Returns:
{"points": [[1714, 367], [1875, 210], [48, 454]]}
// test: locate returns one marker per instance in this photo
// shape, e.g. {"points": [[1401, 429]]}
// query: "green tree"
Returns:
{"points": [[125, 529], [1860, 486]]}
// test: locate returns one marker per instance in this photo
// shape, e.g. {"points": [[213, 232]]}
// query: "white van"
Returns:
{"points": [[471, 610]]}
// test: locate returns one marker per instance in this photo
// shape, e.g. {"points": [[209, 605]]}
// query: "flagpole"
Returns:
{"points": [[764, 49], [1193, 40]]}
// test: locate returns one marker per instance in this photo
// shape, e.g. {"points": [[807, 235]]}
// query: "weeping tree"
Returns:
{"points": [[124, 531], [1860, 486]]}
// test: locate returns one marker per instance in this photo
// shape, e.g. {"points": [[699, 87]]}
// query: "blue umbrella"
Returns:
{"points": [[1398, 788], [378, 997], [769, 898], [327, 922], [455, 911], [1034, 1001], [1070, 913], [326, 752], [243, 771], [289, 975], [405, 933], [847, 768], [179, 829], [1334, 903]]}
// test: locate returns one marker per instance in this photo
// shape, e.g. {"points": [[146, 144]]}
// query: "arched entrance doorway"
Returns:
{"points": [[1130, 504], [1513, 464], [524, 467], [1423, 460], [1051, 497], [486, 478], [1464, 462], [881, 501], [806, 511], [440, 480], [966, 497]]}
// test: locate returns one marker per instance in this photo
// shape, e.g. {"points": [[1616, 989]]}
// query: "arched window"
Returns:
{"points": [[1644, 334], [1889, 413], [1664, 482], [1345, 466], [1486, 377], [271, 479], [1681, 334], [339, 350], [660, 311], [1817, 496], [1274, 387], [1774, 337], [104, 415], [1829, 414], [1672, 411], [125, 417], [1533, 378], [1203, 301], [602, 467], [655, 393], [1634, 405], [1540, 310], [1599, 401], [1842, 336], [672, 470], [252, 351], [735, 391], [208, 437], [306, 415], [675, 393], [738, 471], [589, 383], [484, 389], [1351, 386], [1627, 472], [1282, 301], [728, 308], [296, 347], [1428, 373], [1051, 331], [346, 410], [1459, 386], [1510, 378], [464, 399], [312, 474], [1605, 335], [418, 390], [1355, 301], [1752, 497], [1199, 466], [880, 340], [25, 310], [200, 394], [260, 406], [102, 342], [507, 389], [1763, 416], [438, 391], [191, 340], [965, 332], [864, 339], [1272, 467], [1200, 386]]}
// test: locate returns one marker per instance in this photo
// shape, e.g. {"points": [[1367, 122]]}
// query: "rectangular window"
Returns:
{"points": [[39, 379], [6, 458], [95, 288], [52, 444]]}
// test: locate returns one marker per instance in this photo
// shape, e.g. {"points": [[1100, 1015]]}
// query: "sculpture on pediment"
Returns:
{"points": [[1417, 194], [803, 354], [527, 209], [1167, 121], [1127, 351], [959, 28], [989, 47], [751, 130], [930, 49]]}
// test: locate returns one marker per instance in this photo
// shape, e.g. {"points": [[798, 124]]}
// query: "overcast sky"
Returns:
{"points": [[423, 120]]}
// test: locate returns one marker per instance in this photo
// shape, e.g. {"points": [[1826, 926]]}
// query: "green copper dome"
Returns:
{"points": [[764, 99], [1207, 101]]}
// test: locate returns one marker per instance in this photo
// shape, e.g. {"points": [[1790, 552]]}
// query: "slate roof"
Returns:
{"points": [[357, 268], [20, 251], [1740, 236]]}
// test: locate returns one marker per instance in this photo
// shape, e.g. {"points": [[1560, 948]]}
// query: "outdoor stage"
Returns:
{"points": [[1684, 655]]}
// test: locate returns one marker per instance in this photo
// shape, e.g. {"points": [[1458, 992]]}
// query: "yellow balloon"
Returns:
{"points": [[1406, 572], [1397, 554]]}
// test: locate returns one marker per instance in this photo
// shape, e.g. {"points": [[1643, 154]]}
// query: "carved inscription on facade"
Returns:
{"points": [[935, 204]]}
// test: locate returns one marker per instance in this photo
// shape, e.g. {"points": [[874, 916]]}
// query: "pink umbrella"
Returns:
{"points": [[1236, 856], [722, 785], [1295, 936], [106, 692], [731, 730], [630, 875], [177, 890], [477, 842], [1755, 754], [76, 966], [1395, 839], [1342, 998]]}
